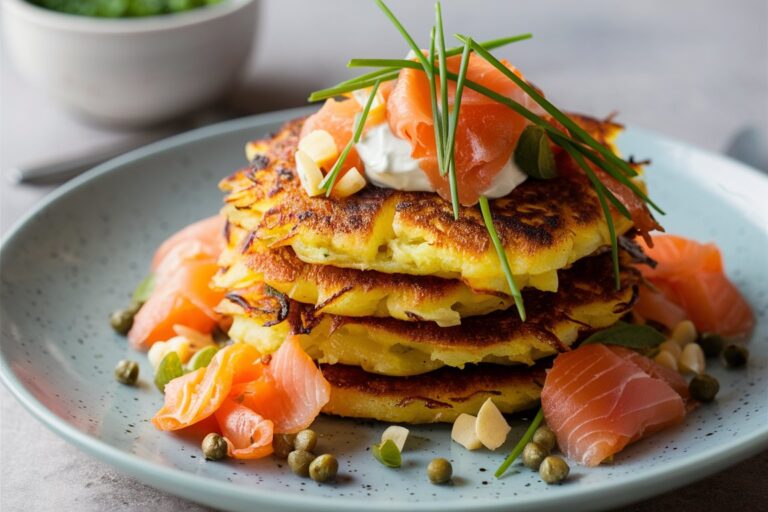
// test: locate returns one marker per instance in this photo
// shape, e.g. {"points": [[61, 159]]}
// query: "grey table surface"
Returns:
{"points": [[695, 70]]}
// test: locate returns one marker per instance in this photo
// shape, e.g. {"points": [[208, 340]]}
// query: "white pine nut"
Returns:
{"points": [[692, 359], [667, 359], [684, 333]]}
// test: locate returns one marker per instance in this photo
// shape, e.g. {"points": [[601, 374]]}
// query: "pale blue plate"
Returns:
{"points": [[81, 252]]}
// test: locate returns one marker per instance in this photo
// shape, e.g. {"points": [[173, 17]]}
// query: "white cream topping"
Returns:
{"points": [[388, 164]]}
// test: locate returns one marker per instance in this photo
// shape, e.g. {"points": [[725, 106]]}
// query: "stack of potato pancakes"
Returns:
{"points": [[406, 310]]}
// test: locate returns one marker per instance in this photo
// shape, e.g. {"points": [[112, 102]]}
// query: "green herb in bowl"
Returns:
{"points": [[122, 8]]}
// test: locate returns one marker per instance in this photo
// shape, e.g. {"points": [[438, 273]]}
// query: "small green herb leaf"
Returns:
{"points": [[628, 335], [202, 358], [168, 369], [533, 154], [144, 290], [387, 453]]}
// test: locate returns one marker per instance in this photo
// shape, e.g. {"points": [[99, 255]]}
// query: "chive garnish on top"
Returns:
{"points": [[579, 144], [330, 178], [386, 75], [485, 209], [450, 155], [441, 58]]}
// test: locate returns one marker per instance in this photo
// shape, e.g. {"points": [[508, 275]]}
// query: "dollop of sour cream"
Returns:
{"points": [[388, 164]]}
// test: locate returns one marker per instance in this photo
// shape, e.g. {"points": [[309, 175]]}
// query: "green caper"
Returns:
{"points": [[323, 468], [122, 319], [545, 438], [704, 387], [127, 372], [282, 444], [735, 356], [711, 344], [533, 454], [305, 440], [214, 447], [553, 470], [299, 461], [439, 471]]}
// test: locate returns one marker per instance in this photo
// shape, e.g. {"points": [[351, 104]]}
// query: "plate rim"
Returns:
{"points": [[189, 485]]}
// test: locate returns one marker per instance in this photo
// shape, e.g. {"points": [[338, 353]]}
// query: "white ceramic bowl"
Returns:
{"points": [[131, 71]]}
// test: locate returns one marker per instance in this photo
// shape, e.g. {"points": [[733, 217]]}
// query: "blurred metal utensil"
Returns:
{"points": [[60, 170], [750, 145]]}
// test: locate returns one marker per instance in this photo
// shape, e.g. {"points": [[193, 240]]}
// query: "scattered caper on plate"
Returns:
{"points": [[545, 438], [554, 470], [735, 356], [214, 447], [323, 468], [711, 344], [283, 444], [533, 455], [122, 319], [439, 471], [305, 440], [299, 461], [127, 372], [704, 387]]}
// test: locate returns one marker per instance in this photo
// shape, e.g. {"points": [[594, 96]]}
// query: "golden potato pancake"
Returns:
{"points": [[350, 292], [587, 300], [435, 397], [545, 225]]}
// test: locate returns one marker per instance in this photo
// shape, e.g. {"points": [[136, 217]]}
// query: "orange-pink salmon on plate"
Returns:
{"points": [[183, 267], [599, 398], [251, 396]]}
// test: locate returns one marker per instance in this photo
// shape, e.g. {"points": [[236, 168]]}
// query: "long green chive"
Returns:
{"points": [[452, 125], [554, 132], [489, 93], [441, 58], [488, 219], [624, 169], [367, 80], [559, 137], [373, 75], [518, 449], [330, 179], [577, 142], [429, 68], [614, 200], [437, 116], [601, 191], [399, 26]]}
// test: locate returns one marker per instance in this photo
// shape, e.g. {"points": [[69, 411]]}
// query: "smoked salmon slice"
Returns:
{"points": [[197, 395], [690, 275], [485, 138], [598, 399], [183, 267], [338, 119], [654, 305], [486, 132], [677, 256], [248, 435], [184, 298], [202, 240], [292, 391], [250, 396]]}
